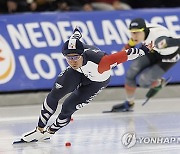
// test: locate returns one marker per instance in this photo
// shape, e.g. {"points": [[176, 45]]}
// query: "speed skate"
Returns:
{"points": [[34, 136], [153, 91], [22, 141]]}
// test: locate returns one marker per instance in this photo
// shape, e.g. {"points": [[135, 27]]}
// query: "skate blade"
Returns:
{"points": [[164, 84], [145, 101], [117, 111], [107, 111], [167, 81], [48, 138], [22, 141]]}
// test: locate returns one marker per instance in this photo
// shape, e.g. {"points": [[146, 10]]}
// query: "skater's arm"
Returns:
{"points": [[109, 60], [165, 42], [114, 59]]}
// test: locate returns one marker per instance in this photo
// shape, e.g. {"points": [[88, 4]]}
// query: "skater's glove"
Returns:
{"points": [[161, 42], [134, 53], [76, 34], [165, 42]]}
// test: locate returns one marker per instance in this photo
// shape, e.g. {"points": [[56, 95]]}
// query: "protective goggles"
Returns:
{"points": [[74, 58]]}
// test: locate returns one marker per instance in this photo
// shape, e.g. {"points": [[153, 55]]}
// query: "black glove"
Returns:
{"points": [[76, 34], [165, 42]]}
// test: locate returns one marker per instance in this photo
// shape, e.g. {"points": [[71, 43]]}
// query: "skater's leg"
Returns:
{"points": [[63, 85], [154, 78], [149, 78], [78, 99], [135, 69], [130, 84]]}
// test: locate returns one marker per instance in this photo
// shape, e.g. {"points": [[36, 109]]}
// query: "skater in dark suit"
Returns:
{"points": [[86, 76]]}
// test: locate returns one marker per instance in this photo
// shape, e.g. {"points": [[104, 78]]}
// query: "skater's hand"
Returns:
{"points": [[148, 48], [134, 53], [76, 34], [161, 42]]}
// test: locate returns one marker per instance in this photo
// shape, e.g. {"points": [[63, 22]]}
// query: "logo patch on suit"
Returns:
{"points": [[58, 86]]}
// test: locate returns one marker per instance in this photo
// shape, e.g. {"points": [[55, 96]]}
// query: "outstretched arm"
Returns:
{"points": [[114, 59], [165, 42], [109, 60]]}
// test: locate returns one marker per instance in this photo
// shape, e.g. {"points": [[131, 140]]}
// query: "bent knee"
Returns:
{"points": [[144, 81], [131, 76]]}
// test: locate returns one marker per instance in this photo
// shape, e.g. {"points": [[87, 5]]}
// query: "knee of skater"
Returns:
{"points": [[65, 117], [130, 82], [130, 76], [53, 97], [144, 82]]}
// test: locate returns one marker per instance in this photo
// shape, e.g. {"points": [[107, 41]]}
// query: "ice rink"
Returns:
{"points": [[93, 132]]}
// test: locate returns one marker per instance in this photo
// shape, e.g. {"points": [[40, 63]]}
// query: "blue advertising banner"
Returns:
{"points": [[30, 44]]}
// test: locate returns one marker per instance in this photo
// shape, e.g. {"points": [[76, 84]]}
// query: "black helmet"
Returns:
{"points": [[137, 25], [73, 46]]}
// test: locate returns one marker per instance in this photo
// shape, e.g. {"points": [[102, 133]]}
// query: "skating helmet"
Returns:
{"points": [[73, 46], [137, 25]]}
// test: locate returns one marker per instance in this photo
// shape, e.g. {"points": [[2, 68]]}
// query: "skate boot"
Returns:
{"points": [[33, 136], [153, 91], [47, 134], [124, 107]]}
